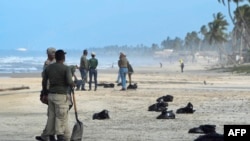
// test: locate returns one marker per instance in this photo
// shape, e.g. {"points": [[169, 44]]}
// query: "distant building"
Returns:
{"points": [[163, 54]]}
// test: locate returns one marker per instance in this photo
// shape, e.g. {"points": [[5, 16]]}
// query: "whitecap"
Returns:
{"points": [[21, 49]]}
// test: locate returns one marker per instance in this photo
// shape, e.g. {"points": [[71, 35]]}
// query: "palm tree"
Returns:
{"points": [[154, 47], [240, 16], [229, 7], [216, 34], [242, 22], [203, 31], [241, 30], [192, 41], [167, 43], [217, 27], [177, 45], [230, 0]]}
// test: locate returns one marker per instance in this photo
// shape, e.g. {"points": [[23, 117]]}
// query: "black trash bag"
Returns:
{"points": [[166, 98], [132, 86], [158, 107], [186, 110], [210, 137], [203, 129], [166, 115], [104, 114]]}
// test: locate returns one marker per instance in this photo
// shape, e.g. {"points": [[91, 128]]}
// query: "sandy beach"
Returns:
{"points": [[223, 99]]}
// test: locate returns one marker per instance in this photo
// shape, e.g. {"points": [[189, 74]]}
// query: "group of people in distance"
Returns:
{"points": [[88, 66], [91, 65], [57, 84]]}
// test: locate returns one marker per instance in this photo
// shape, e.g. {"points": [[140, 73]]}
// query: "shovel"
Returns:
{"points": [[77, 132]]}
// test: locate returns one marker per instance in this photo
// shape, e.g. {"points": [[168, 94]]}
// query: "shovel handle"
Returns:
{"points": [[74, 103]]}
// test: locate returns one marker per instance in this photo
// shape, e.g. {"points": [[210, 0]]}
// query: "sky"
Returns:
{"points": [[79, 24]]}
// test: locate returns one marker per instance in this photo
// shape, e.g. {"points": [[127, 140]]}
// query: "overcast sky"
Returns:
{"points": [[77, 24]]}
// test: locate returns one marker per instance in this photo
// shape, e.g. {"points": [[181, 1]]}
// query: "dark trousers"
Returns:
{"points": [[182, 67], [84, 76], [92, 72]]}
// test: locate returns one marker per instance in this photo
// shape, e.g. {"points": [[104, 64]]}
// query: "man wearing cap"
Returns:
{"points": [[60, 79], [84, 68], [93, 63], [44, 94], [50, 57]]}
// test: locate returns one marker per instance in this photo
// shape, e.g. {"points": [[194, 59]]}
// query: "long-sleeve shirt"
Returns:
{"points": [[84, 62], [93, 63], [59, 76]]}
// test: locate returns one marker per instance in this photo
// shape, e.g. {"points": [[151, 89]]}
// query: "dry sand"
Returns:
{"points": [[225, 99]]}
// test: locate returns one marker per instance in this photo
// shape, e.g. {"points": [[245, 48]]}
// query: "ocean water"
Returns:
{"points": [[32, 61], [16, 61]]}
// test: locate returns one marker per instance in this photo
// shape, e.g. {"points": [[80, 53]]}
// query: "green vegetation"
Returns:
{"points": [[241, 69]]}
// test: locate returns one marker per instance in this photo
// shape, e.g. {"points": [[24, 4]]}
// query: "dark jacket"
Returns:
{"points": [[59, 76]]}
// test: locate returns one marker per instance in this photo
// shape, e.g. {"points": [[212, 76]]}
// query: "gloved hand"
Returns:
{"points": [[44, 96]]}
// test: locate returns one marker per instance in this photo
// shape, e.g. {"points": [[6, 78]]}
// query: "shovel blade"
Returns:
{"points": [[77, 132]]}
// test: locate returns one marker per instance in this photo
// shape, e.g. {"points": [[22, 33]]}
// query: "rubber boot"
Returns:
{"points": [[40, 138], [52, 138], [60, 138]]}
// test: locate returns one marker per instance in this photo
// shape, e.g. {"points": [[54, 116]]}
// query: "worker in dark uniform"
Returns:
{"points": [[93, 63], [60, 79], [84, 68]]}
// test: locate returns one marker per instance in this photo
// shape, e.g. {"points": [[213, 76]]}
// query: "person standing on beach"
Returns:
{"points": [[118, 77], [130, 72], [60, 78], [93, 63], [44, 94], [50, 57], [181, 65], [84, 68], [123, 69]]}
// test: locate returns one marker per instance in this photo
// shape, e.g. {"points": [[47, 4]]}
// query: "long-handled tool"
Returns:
{"points": [[77, 132]]}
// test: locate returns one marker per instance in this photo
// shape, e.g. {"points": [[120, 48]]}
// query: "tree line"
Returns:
{"points": [[212, 36]]}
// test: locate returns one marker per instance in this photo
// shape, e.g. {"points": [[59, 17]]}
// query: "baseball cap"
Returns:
{"points": [[85, 51], [92, 53], [122, 54], [60, 51], [60, 54]]}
